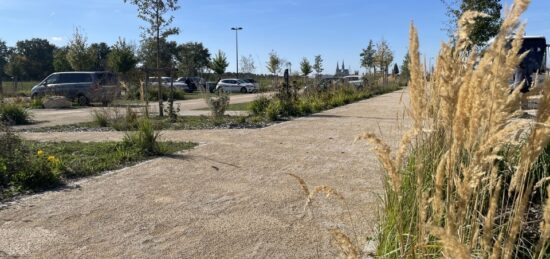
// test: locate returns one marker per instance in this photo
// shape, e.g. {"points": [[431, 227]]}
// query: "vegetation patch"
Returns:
{"points": [[30, 166], [14, 114]]}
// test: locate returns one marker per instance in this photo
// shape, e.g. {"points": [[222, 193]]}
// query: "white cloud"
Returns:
{"points": [[54, 38]]}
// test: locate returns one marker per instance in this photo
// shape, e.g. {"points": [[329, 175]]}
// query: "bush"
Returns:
{"points": [[259, 106], [24, 169], [113, 117], [217, 104], [153, 94], [14, 114]]}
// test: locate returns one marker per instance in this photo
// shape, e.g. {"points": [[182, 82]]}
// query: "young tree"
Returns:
{"points": [[484, 28], [274, 66], [383, 57], [306, 68], [3, 61], [60, 62], [247, 65], [367, 57], [154, 13], [318, 65], [122, 58], [99, 53], [78, 55], [193, 58], [219, 64], [15, 66]]}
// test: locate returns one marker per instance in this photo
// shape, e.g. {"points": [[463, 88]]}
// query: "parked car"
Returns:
{"points": [[356, 81], [82, 87], [236, 86], [166, 81], [254, 82], [194, 82]]}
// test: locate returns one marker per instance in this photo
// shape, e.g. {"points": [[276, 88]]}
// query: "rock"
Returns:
{"points": [[56, 102]]}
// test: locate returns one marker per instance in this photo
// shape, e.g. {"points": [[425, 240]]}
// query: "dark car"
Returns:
{"points": [[193, 82], [83, 87]]}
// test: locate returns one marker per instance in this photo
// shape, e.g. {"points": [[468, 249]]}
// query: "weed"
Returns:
{"points": [[14, 114]]}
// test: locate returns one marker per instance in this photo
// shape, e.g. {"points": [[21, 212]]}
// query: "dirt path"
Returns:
{"points": [[53, 117], [229, 198]]}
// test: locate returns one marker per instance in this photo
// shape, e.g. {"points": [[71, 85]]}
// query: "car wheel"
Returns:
{"points": [[82, 100], [243, 90]]}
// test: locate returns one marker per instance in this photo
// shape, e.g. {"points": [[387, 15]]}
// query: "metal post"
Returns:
{"points": [[237, 29]]}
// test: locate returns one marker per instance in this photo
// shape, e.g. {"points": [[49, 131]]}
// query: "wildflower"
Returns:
{"points": [[51, 159], [40, 152]]}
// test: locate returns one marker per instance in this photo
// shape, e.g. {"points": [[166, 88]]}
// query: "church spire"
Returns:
{"points": [[337, 68], [343, 66]]}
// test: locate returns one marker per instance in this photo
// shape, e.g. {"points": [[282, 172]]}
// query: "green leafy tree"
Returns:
{"points": [[318, 65], [168, 53], [219, 64], [193, 58], [78, 54], [367, 57], [383, 56], [3, 61], [122, 57], [155, 14], [306, 67], [15, 66], [274, 64], [484, 28], [247, 64], [99, 53], [37, 57], [60, 62]]}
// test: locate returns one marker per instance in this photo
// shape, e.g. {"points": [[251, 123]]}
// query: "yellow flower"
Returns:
{"points": [[51, 159], [40, 152]]}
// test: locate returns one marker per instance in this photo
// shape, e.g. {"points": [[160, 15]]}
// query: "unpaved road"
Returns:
{"points": [[230, 197], [53, 117]]}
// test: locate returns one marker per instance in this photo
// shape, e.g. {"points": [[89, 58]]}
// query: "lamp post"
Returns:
{"points": [[237, 29]]}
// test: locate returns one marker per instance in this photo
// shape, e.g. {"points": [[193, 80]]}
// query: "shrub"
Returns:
{"points": [[101, 117], [217, 103], [259, 105], [274, 109], [14, 114], [37, 103], [145, 139]]}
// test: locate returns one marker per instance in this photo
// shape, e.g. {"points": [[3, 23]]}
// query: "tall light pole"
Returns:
{"points": [[237, 29]]}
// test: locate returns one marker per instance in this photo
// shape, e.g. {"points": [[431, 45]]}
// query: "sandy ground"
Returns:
{"points": [[230, 197], [53, 117]]}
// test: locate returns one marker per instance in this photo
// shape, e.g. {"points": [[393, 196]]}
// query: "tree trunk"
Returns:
{"points": [[161, 112]]}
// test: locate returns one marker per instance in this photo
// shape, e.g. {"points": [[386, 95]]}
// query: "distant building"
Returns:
{"points": [[341, 72]]}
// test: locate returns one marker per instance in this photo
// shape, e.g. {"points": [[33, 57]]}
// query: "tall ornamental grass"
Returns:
{"points": [[468, 180]]}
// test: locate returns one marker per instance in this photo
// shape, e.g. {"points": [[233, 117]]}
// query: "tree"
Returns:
{"points": [[193, 58], [247, 64], [383, 57], [78, 55], [167, 56], [3, 61], [305, 67], [318, 65], [395, 71], [367, 57], [122, 57], [60, 62], [15, 67], [274, 63], [154, 12], [38, 57], [219, 64], [484, 28], [99, 53]]}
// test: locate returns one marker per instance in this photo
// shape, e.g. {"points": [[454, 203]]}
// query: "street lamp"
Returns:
{"points": [[237, 29]]}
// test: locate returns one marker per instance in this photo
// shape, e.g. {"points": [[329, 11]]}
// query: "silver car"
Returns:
{"points": [[234, 85], [83, 87]]}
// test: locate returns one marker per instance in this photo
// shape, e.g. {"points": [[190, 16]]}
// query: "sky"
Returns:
{"points": [[337, 30]]}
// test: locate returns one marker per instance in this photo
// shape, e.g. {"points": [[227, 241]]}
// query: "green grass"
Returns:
{"points": [[23, 88], [81, 159]]}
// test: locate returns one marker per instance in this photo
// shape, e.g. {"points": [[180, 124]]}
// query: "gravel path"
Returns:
{"points": [[230, 197], [54, 117]]}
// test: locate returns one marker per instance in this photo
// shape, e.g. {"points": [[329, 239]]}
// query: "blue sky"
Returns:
{"points": [[337, 30]]}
